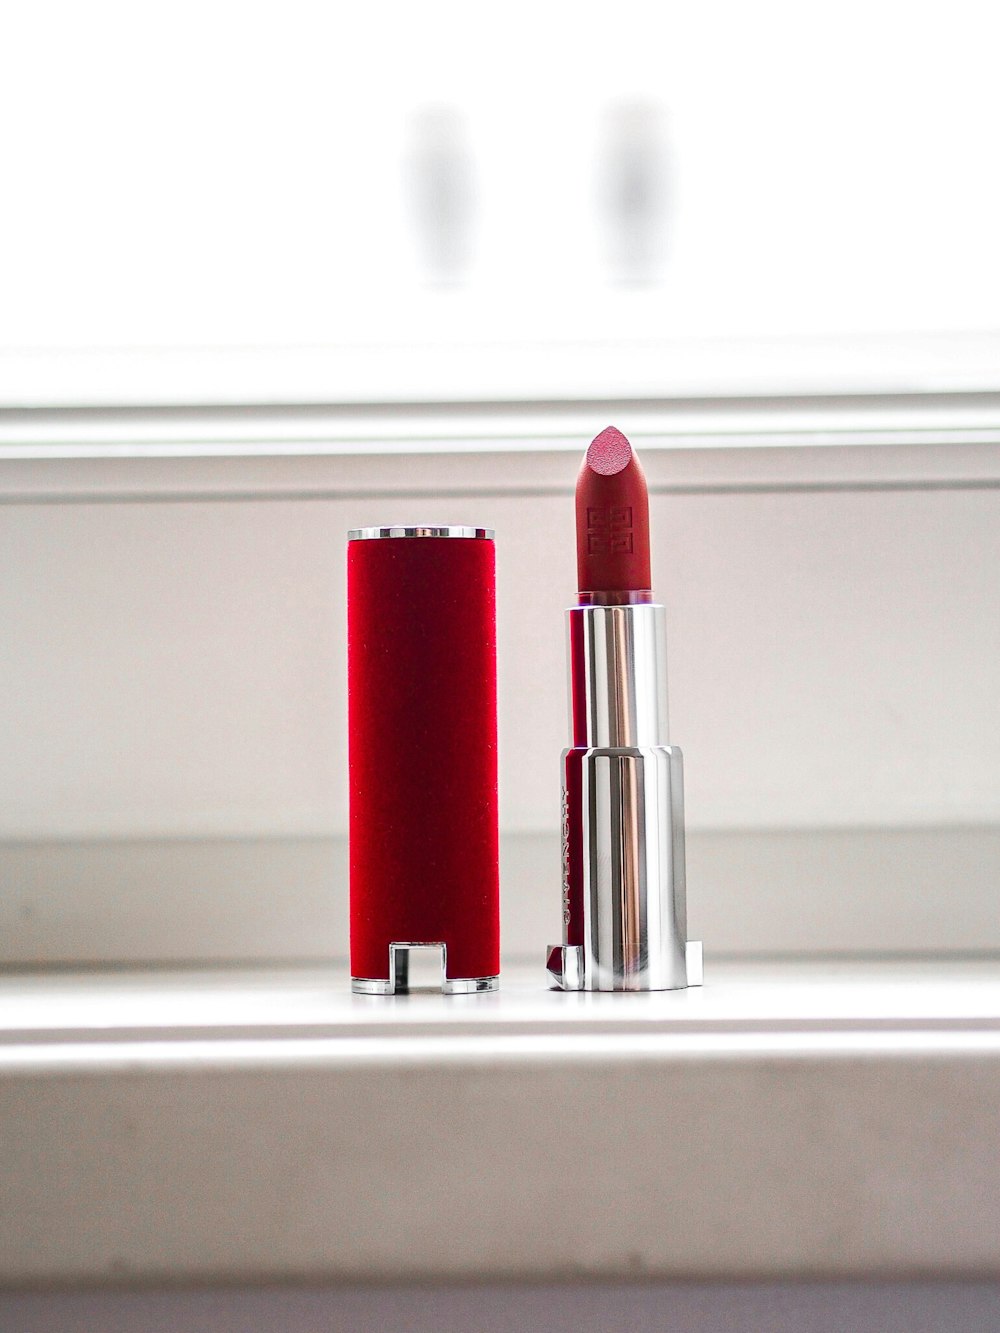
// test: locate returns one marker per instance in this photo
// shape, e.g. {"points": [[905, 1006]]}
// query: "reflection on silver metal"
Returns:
{"points": [[618, 675], [402, 979], [470, 985], [565, 966], [375, 534], [624, 810]]}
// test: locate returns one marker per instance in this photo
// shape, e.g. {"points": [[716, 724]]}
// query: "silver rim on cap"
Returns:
{"points": [[373, 534]]}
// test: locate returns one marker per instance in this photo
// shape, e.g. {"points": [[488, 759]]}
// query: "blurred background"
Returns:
{"points": [[812, 188]]}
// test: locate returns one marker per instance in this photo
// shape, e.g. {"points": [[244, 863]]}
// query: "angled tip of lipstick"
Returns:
{"points": [[609, 452], [612, 523]]}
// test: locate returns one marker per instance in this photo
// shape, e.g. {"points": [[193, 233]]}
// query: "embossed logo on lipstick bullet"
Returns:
{"points": [[609, 530]]}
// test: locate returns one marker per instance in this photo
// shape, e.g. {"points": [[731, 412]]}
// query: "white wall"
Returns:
{"points": [[178, 668], [173, 658]]}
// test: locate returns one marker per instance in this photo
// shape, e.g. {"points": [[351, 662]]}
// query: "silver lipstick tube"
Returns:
{"points": [[624, 891]]}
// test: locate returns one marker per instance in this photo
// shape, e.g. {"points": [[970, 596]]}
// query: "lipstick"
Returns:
{"points": [[624, 890]]}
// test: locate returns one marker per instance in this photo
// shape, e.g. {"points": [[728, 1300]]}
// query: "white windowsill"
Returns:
{"points": [[821, 1118]]}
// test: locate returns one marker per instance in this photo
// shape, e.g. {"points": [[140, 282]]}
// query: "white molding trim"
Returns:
{"points": [[662, 421], [477, 369], [495, 450]]}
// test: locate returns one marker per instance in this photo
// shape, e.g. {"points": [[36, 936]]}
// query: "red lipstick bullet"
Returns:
{"points": [[612, 524]]}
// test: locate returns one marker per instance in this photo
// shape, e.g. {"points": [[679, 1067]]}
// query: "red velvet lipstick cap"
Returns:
{"points": [[422, 734]]}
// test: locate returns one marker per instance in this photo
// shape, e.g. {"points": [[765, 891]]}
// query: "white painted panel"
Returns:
{"points": [[835, 657], [178, 668], [173, 669]]}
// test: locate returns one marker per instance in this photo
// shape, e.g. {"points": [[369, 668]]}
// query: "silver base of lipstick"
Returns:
{"points": [[415, 966], [565, 965], [624, 887]]}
